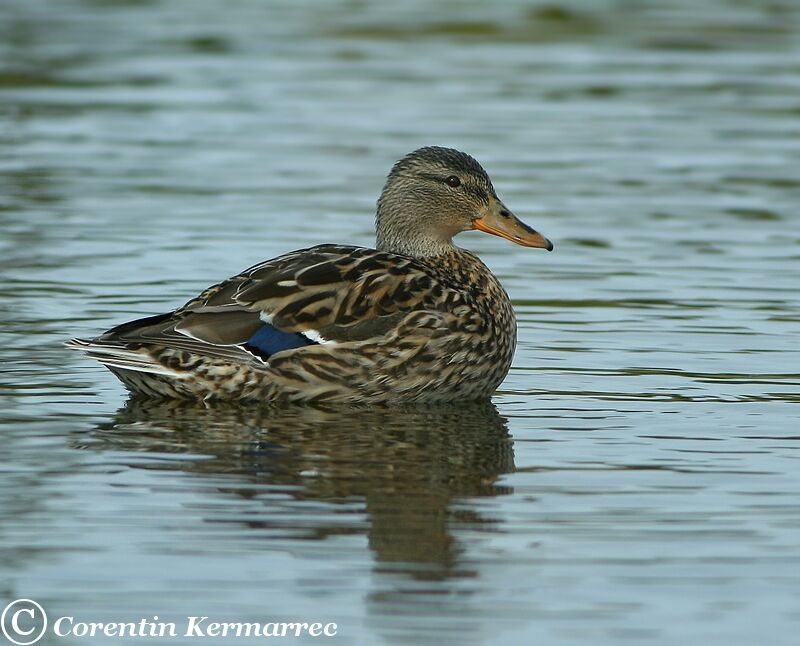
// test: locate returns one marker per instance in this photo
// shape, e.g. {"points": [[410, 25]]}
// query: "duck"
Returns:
{"points": [[414, 319]]}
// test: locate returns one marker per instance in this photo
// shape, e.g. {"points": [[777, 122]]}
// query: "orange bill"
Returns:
{"points": [[499, 221]]}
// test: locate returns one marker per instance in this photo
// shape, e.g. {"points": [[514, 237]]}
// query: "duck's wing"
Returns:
{"points": [[323, 294], [328, 293]]}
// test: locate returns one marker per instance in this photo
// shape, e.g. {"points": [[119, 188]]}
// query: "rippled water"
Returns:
{"points": [[636, 478]]}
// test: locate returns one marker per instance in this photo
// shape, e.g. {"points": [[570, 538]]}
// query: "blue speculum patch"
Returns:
{"points": [[268, 340]]}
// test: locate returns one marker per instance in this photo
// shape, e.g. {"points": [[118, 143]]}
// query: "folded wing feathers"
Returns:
{"points": [[342, 286], [324, 292]]}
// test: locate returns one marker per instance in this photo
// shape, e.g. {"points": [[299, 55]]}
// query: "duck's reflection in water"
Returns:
{"points": [[405, 466]]}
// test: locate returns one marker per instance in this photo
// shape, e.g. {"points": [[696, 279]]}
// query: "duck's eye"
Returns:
{"points": [[453, 181]]}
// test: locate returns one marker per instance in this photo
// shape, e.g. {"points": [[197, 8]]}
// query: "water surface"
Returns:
{"points": [[636, 477]]}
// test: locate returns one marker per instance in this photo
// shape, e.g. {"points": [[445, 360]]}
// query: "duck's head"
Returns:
{"points": [[434, 193]]}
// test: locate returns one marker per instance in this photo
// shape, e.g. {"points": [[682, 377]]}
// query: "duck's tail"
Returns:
{"points": [[117, 356], [138, 370]]}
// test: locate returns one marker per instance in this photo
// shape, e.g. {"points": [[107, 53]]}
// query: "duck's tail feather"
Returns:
{"points": [[114, 355]]}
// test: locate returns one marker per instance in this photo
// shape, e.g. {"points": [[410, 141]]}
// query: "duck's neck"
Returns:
{"points": [[416, 246], [399, 234]]}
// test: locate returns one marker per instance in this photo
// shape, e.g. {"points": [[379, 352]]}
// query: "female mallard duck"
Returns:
{"points": [[416, 319]]}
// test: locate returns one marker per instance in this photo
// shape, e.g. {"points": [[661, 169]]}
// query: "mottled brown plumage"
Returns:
{"points": [[417, 319]]}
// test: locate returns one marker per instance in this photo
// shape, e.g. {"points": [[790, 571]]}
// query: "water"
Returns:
{"points": [[635, 480]]}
